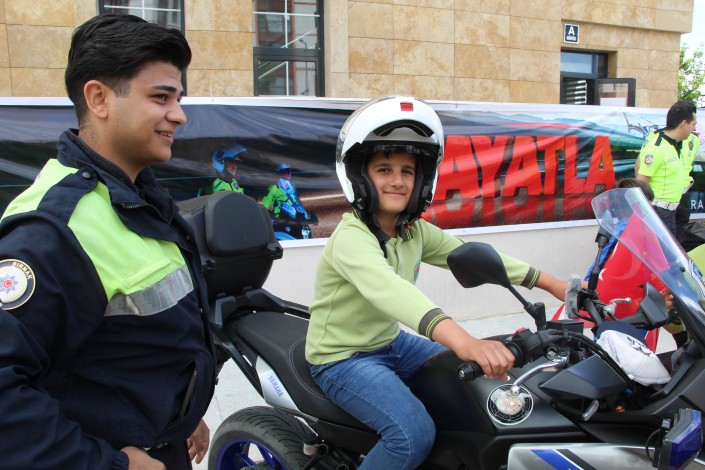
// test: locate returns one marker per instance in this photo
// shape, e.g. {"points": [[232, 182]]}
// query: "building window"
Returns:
{"points": [[579, 70], [167, 13], [584, 81], [288, 51]]}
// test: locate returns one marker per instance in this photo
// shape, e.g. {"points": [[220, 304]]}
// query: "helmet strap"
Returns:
{"points": [[371, 221]]}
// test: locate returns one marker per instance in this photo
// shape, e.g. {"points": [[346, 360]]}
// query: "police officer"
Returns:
{"points": [[106, 360], [283, 196], [225, 162], [688, 151], [661, 165]]}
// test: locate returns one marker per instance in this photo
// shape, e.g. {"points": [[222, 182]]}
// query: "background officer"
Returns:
{"points": [[661, 165], [689, 149]]}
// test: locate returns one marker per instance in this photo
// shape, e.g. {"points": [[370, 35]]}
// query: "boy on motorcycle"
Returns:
{"points": [[387, 161]]}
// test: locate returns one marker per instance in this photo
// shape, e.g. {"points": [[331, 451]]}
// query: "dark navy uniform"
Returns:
{"points": [[105, 340]]}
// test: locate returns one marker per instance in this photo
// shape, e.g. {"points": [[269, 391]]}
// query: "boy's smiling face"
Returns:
{"points": [[393, 176]]}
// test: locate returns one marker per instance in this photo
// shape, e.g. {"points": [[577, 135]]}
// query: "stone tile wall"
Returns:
{"points": [[470, 50]]}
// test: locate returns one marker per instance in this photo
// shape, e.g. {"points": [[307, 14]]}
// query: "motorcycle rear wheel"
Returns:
{"points": [[258, 437]]}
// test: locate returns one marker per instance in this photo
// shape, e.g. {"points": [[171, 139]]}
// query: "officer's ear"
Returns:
{"points": [[98, 96]]}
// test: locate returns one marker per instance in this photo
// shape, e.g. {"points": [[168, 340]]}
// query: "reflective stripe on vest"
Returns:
{"points": [[139, 274], [161, 296]]}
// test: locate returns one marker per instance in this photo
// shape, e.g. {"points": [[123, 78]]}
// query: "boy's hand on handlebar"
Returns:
{"points": [[492, 356], [668, 297], [554, 286]]}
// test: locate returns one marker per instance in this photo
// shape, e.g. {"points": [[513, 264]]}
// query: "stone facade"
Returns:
{"points": [[469, 50]]}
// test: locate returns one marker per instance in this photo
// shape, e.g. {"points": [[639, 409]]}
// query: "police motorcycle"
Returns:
{"points": [[570, 401], [294, 222]]}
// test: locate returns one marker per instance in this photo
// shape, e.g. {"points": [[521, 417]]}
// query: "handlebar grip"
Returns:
{"points": [[469, 371]]}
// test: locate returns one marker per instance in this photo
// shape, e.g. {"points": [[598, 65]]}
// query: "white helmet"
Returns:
{"points": [[390, 123]]}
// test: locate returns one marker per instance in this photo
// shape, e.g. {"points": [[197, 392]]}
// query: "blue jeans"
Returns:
{"points": [[370, 386]]}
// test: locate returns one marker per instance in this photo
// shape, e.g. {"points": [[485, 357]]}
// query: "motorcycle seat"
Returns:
{"points": [[280, 340]]}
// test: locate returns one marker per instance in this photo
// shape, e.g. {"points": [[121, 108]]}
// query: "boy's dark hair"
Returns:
{"points": [[636, 183], [682, 110], [113, 48]]}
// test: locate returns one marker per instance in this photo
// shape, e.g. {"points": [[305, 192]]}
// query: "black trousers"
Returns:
{"points": [[682, 216], [668, 218], [174, 457]]}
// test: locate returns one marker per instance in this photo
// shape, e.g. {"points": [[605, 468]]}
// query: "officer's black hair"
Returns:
{"points": [[113, 48], [682, 110]]}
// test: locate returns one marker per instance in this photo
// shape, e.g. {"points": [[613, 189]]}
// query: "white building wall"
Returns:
{"points": [[559, 248]]}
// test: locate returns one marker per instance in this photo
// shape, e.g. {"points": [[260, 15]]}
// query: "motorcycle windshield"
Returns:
{"points": [[627, 215]]}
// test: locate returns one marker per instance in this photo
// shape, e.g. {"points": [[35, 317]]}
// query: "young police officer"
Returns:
{"points": [[105, 357]]}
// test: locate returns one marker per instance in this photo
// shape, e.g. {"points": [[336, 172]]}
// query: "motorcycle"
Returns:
{"points": [[568, 404], [294, 225]]}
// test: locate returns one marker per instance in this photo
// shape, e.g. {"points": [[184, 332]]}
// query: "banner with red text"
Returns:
{"points": [[504, 163]]}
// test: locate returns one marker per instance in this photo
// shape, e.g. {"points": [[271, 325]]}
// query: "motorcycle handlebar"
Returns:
{"points": [[524, 345]]}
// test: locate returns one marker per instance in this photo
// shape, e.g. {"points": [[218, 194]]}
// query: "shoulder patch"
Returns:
{"points": [[691, 144], [648, 159], [16, 283]]}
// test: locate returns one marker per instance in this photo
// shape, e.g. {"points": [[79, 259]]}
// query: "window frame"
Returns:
{"points": [[280, 54], [182, 25], [631, 88], [101, 9], [590, 78]]}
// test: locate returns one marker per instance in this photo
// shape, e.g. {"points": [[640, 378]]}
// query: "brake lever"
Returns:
{"points": [[556, 362]]}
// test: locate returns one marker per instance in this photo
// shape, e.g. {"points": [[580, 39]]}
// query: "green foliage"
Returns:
{"points": [[691, 76]]}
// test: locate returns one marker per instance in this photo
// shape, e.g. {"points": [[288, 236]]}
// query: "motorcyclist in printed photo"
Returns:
{"points": [[225, 163], [283, 196], [387, 161]]}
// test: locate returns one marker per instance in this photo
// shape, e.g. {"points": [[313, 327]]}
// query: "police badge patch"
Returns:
{"points": [[648, 160], [16, 283], [691, 145]]}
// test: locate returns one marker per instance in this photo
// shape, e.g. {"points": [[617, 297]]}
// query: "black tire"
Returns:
{"points": [[260, 436]]}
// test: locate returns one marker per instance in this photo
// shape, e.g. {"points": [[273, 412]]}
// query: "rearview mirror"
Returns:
{"points": [[475, 263]]}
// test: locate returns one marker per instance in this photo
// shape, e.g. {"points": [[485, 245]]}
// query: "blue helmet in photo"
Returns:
{"points": [[283, 167], [232, 153]]}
